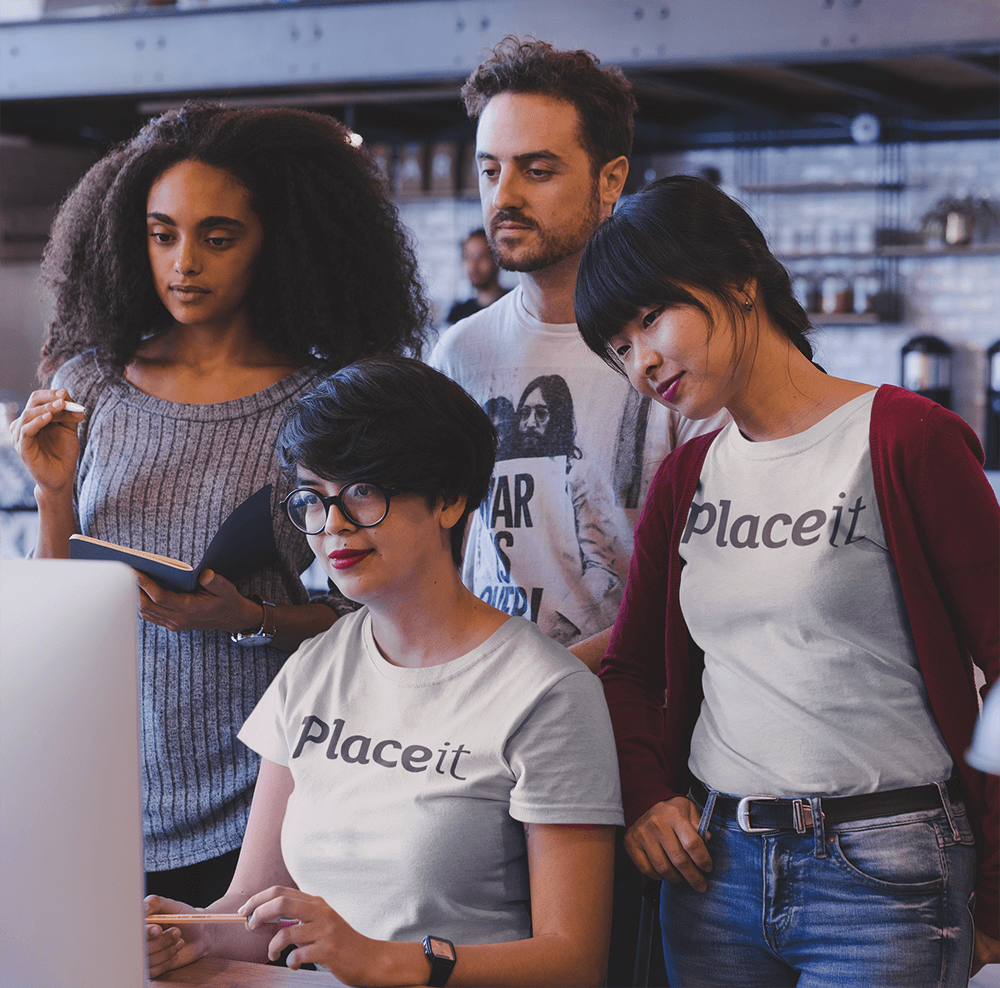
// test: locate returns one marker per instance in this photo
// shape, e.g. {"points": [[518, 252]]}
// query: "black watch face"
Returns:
{"points": [[442, 949]]}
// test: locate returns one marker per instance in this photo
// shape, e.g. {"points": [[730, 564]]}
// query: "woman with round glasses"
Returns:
{"points": [[438, 791], [363, 504], [207, 273]]}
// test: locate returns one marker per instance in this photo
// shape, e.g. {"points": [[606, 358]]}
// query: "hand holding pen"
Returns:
{"points": [[203, 933]]}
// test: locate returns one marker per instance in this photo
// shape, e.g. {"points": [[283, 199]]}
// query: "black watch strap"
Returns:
{"points": [[441, 954]]}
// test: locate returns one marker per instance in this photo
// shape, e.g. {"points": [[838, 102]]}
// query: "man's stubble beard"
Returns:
{"points": [[549, 248]]}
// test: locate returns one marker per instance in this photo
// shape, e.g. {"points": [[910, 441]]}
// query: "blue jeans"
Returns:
{"points": [[876, 902]]}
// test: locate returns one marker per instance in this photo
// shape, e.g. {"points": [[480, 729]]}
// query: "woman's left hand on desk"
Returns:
{"points": [[321, 936], [215, 606], [166, 947]]}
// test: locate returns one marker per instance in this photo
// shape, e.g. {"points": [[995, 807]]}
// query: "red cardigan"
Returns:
{"points": [[942, 525]]}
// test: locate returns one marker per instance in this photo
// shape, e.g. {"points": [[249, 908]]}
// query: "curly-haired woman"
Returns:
{"points": [[207, 273]]}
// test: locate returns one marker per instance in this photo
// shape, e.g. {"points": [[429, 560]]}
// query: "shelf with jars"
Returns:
{"points": [[966, 227], [835, 249], [970, 250], [799, 188], [833, 296], [848, 224]]}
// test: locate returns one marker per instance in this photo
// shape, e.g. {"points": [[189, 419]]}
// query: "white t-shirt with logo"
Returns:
{"points": [[412, 786], [811, 679]]}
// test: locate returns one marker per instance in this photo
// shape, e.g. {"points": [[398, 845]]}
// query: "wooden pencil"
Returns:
{"points": [[172, 919]]}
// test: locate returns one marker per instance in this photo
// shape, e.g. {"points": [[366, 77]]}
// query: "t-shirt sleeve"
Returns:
{"points": [[264, 730], [455, 352], [440, 356], [563, 757]]}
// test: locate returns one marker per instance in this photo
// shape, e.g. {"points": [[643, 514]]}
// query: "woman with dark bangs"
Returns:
{"points": [[207, 273], [812, 588]]}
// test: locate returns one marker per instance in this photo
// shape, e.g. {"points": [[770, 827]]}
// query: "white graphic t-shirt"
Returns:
{"points": [[811, 678], [412, 786], [577, 450]]}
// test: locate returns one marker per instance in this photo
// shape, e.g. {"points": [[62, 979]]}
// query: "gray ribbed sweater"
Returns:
{"points": [[160, 476]]}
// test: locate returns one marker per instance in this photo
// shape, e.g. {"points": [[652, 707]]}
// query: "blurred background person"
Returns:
{"points": [[481, 269]]}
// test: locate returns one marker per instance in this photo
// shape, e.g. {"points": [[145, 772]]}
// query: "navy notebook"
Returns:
{"points": [[244, 543]]}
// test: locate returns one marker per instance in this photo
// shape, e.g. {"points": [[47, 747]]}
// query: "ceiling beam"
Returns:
{"points": [[670, 90], [985, 67], [329, 97], [869, 83], [311, 45], [880, 88]]}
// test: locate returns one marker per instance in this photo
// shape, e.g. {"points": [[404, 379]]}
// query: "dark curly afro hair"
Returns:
{"points": [[337, 279]]}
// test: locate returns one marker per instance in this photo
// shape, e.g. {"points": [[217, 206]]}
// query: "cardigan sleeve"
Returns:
{"points": [[960, 537], [652, 688], [943, 525]]}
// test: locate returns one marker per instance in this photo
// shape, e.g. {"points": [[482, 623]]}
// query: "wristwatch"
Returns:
{"points": [[441, 954], [261, 635]]}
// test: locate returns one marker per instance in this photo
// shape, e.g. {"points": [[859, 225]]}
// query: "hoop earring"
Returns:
{"points": [[748, 305]]}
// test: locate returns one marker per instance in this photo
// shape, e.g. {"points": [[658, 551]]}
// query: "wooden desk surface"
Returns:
{"points": [[211, 972]]}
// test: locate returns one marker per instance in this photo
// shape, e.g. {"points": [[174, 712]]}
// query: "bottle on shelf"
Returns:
{"points": [[927, 368], [993, 407], [866, 287], [838, 295]]}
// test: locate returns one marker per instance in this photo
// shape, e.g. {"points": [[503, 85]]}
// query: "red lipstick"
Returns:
{"points": [[668, 390], [346, 558]]}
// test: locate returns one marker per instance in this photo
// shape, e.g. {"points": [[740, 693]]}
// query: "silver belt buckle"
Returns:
{"points": [[743, 814], [802, 815]]}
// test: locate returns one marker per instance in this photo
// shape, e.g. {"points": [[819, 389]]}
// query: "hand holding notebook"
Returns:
{"points": [[244, 543]]}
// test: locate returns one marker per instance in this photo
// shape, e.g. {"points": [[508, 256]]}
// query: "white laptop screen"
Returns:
{"points": [[71, 874]]}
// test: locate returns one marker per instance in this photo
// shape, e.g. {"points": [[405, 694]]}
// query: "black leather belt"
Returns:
{"points": [[762, 814]]}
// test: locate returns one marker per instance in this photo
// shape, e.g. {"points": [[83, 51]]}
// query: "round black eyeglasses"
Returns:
{"points": [[363, 504]]}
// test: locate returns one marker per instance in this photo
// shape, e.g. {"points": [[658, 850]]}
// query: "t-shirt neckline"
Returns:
{"points": [[791, 445], [431, 675], [536, 326]]}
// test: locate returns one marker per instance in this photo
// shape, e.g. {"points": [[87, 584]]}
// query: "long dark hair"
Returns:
{"points": [[337, 278], [675, 234]]}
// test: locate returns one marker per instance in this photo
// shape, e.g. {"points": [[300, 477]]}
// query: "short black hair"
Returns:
{"points": [[602, 96], [675, 234], [394, 420]]}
